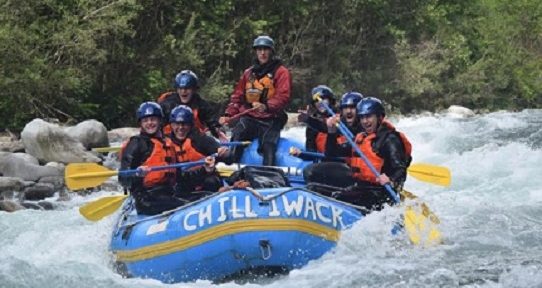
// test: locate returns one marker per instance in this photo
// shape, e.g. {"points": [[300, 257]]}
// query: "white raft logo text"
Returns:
{"points": [[302, 207]]}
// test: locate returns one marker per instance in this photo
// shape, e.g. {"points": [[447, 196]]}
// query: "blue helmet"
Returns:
{"points": [[370, 105], [264, 41], [324, 92], [181, 114], [186, 79], [149, 109], [350, 99]]}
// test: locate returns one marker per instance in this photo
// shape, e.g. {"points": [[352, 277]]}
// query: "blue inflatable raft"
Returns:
{"points": [[282, 156], [225, 235]]}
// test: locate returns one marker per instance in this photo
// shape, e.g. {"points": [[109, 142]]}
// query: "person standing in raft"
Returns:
{"points": [[192, 145], [186, 87], [338, 174], [388, 150], [152, 190], [264, 89]]}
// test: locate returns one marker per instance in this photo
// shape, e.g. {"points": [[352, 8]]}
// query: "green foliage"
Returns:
{"points": [[78, 59]]}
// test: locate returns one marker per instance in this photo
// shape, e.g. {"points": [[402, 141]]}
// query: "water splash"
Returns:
{"points": [[491, 222]]}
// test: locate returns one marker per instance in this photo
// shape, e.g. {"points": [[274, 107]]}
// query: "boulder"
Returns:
{"points": [[13, 146], [9, 185], [120, 135], [27, 157], [46, 205], [56, 181], [10, 206], [39, 191], [30, 205], [49, 143], [460, 111], [91, 133], [17, 167]]}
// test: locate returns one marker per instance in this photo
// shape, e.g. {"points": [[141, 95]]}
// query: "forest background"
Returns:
{"points": [[81, 59]]}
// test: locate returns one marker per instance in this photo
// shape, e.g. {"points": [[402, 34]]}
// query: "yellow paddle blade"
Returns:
{"points": [[225, 173], [437, 175], [86, 175], [425, 209], [106, 149], [102, 207], [420, 231]]}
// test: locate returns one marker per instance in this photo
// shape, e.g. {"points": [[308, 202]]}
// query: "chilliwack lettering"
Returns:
{"points": [[241, 208]]}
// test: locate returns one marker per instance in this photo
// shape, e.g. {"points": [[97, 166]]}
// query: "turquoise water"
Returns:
{"points": [[491, 222]]}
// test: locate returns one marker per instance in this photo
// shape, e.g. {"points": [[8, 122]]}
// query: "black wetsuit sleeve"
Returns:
{"points": [[310, 139], [208, 116], [131, 159], [317, 124], [168, 104], [333, 149], [394, 155], [207, 145]]}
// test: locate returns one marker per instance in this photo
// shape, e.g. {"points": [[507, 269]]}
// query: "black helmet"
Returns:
{"points": [[264, 41], [350, 99], [324, 92], [149, 109], [186, 79], [370, 105]]}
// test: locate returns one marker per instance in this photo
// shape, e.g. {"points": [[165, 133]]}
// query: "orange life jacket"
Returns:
{"points": [[186, 152], [167, 128], [259, 90], [361, 170], [162, 155], [163, 96], [321, 139]]}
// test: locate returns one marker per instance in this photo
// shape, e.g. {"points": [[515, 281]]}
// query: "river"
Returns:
{"points": [[491, 222]]}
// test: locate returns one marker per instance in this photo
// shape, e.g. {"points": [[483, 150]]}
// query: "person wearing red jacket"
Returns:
{"points": [[264, 89]]}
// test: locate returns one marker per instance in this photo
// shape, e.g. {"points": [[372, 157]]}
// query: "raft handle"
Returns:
{"points": [[264, 245]]}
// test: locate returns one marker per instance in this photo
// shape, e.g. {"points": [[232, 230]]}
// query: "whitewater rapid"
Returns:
{"points": [[491, 221]]}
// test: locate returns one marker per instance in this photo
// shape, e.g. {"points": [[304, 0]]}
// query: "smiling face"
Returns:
{"points": [[369, 122], [185, 94], [150, 125], [181, 129], [263, 54], [349, 112]]}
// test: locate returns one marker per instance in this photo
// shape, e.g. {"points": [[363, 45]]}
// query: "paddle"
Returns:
{"points": [[239, 115], [429, 173], [86, 175], [102, 207], [415, 223], [344, 130], [228, 144]]}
